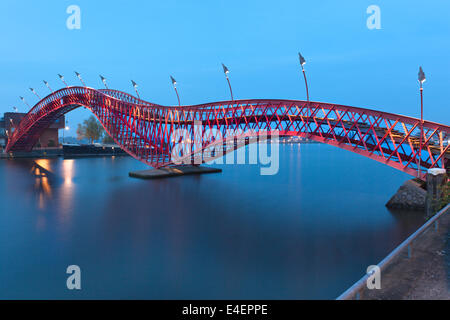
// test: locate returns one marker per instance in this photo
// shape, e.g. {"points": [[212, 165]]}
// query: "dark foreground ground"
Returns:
{"points": [[424, 276]]}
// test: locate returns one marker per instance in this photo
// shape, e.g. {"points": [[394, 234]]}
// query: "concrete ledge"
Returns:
{"points": [[42, 153], [172, 172]]}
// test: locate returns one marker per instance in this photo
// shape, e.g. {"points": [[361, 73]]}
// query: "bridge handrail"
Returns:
{"points": [[360, 285]]}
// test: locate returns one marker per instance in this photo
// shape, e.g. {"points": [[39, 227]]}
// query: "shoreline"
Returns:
{"points": [[67, 152], [419, 270]]}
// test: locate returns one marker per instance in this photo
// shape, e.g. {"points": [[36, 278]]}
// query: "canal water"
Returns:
{"points": [[308, 232]]}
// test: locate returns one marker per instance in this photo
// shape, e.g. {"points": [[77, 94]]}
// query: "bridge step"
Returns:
{"points": [[174, 171]]}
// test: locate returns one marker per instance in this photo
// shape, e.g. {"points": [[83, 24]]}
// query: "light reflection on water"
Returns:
{"points": [[308, 232]]}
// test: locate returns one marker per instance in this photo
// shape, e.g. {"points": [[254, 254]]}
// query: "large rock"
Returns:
{"points": [[409, 196]]}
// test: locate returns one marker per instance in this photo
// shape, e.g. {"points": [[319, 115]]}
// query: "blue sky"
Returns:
{"points": [[258, 40]]}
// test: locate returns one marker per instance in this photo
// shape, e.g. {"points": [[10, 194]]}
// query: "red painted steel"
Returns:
{"points": [[153, 133]]}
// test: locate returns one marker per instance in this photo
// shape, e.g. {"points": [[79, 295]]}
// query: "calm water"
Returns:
{"points": [[308, 232]]}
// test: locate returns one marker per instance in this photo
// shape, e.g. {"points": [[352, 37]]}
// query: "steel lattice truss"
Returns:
{"points": [[153, 134]]}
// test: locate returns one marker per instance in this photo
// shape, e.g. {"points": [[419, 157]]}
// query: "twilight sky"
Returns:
{"points": [[258, 40]]}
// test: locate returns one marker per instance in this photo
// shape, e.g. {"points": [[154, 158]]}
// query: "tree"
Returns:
{"points": [[90, 129], [107, 139]]}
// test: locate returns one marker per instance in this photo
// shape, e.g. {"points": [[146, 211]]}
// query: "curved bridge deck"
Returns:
{"points": [[157, 135]]}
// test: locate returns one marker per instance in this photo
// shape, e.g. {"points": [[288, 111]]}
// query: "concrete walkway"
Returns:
{"points": [[426, 275]]}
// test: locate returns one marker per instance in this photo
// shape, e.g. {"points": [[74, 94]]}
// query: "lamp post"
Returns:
{"points": [[174, 83], [79, 77], [62, 79], [302, 63], [47, 85], [103, 80], [421, 79], [226, 72], [24, 101], [66, 128], [34, 92], [135, 88]]}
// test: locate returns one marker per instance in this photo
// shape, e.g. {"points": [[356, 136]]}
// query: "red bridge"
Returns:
{"points": [[151, 133]]}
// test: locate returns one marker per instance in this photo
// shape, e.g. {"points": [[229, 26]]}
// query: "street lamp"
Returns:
{"points": [[34, 92], [135, 88], [174, 83], [62, 79], [47, 85], [79, 77], [24, 101], [103, 80], [302, 63], [421, 78], [66, 128], [226, 72]]}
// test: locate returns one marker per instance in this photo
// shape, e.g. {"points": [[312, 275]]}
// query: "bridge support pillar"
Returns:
{"points": [[436, 186], [174, 171]]}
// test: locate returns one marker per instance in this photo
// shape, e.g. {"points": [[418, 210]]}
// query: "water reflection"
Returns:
{"points": [[308, 232], [66, 195], [41, 170]]}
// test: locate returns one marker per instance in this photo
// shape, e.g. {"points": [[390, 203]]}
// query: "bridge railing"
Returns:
{"points": [[357, 289], [385, 137]]}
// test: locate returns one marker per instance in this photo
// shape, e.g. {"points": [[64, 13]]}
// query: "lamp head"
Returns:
{"points": [[225, 69], [301, 59], [421, 76]]}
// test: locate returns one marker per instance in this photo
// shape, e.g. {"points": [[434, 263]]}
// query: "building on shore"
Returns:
{"points": [[3, 138], [48, 139]]}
